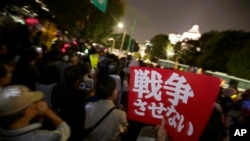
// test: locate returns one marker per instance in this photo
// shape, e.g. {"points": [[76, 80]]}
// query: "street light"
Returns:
{"points": [[121, 25], [113, 43]]}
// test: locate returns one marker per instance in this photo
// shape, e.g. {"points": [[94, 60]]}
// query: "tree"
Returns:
{"points": [[158, 50], [81, 18], [189, 50], [220, 48], [225, 51], [238, 64], [32, 7], [118, 40]]}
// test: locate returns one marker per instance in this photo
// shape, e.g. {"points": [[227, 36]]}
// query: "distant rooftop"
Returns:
{"points": [[193, 34]]}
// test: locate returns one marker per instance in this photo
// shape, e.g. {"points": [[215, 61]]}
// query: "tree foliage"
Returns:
{"points": [[220, 48], [225, 51], [238, 64], [25, 8], [187, 51], [159, 43], [118, 41], [81, 18]]}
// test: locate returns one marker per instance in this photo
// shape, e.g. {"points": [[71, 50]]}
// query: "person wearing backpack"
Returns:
{"points": [[106, 122]]}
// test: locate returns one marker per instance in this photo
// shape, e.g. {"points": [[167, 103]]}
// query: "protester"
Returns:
{"points": [[18, 108], [50, 76], [89, 82], [68, 100], [5, 75], [115, 123], [113, 72], [26, 73]]}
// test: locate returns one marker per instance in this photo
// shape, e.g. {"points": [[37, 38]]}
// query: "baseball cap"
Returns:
{"points": [[16, 98]]}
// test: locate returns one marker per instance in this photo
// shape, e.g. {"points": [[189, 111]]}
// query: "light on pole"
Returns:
{"points": [[123, 39], [113, 43], [121, 26]]}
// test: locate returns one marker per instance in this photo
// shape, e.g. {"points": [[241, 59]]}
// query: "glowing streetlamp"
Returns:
{"points": [[121, 26], [113, 43]]}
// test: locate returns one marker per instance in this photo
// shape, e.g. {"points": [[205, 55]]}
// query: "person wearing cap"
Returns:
{"points": [[19, 107], [5, 75]]}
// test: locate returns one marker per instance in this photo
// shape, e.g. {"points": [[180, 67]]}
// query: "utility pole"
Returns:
{"points": [[123, 38], [131, 33]]}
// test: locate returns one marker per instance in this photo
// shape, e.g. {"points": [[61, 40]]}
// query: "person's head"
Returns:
{"points": [[74, 60], [72, 75], [246, 95], [3, 49], [214, 128], [113, 68], [17, 102], [49, 75], [228, 92], [29, 56], [9, 60], [106, 88], [85, 68], [5, 75]]}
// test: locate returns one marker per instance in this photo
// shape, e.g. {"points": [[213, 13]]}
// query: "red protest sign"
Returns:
{"points": [[184, 99]]}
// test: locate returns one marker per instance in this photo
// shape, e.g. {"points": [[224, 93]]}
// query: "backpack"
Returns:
{"points": [[86, 132]]}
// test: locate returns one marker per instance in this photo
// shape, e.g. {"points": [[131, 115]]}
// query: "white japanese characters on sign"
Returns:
{"points": [[149, 84]]}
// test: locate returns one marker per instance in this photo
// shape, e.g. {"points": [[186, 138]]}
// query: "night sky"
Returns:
{"points": [[177, 16]]}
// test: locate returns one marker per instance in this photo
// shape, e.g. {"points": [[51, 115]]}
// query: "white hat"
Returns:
{"points": [[16, 98]]}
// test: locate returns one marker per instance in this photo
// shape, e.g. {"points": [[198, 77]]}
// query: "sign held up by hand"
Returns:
{"points": [[184, 99]]}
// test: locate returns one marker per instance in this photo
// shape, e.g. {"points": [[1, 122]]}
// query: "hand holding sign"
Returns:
{"points": [[161, 132]]}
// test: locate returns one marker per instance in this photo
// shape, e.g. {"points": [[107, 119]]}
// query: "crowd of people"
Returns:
{"points": [[53, 95]]}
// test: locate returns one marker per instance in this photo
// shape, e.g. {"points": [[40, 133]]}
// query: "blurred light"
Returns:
{"points": [[93, 44], [74, 42], [34, 14], [38, 1], [120, 25], [234, 96], [65, 45], [26, 10], [198, 49], [170, 53], [105, 50], [44, 8], [110, 39], [54, 39], [148, 44], [86, 51], [39, 49], [63, 50], [31, 21], [18, 19], [80, 53]]}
